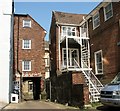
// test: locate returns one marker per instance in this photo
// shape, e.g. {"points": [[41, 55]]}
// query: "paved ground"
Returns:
{"points": [[37, 105], [2, 105], [27, 105]]}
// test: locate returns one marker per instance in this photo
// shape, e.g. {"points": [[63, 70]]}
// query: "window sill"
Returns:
{"points": [[26, 70], [99, 74]]}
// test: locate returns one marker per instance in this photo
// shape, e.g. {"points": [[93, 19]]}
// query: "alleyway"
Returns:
{"points": [[37, 105], [42, 105]]}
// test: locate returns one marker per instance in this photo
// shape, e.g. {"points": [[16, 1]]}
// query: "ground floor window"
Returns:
{"points": [[98, 62], [73, 57], [30, 86]]}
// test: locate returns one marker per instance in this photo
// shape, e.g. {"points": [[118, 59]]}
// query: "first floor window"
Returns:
{"points": [[108, 11], [98, 62], [73, 57], [68, 31], [26, 44], [96, 20], [26, 65]]}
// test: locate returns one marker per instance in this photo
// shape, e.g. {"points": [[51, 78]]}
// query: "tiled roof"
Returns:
{"points": [[68, 18]]}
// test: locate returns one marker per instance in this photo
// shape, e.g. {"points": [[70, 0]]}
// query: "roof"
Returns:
{"points": [[68, 18]]}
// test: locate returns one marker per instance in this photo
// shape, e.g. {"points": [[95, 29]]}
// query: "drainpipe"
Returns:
{"points": [[88, 45], [81, 47], [59, 59], [50, 90], [67, 51], [18, 71]]}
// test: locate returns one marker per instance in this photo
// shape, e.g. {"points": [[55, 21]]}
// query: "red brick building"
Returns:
{"points": [[104, 33], [29, 65], [72, 80]]}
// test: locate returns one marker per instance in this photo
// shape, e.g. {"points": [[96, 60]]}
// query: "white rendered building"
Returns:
{"points": [[6, 47]]}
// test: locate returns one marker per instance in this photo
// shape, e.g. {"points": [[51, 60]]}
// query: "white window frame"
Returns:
{"points": [[97, 19], [96, 68], [23, 65], [108, 12], [70, 58], [66, 32], [28, 23], [23, 44]]}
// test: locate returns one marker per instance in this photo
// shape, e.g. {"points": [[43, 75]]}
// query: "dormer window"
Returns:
{"points": [[26, 23], [68, 31]]}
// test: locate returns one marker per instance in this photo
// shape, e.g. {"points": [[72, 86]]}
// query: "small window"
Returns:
{"points": [[46, 62], [98, 62], [96, 20], [26, 23], [30, 86], [108, 12], [26, 65], [26, 44]]}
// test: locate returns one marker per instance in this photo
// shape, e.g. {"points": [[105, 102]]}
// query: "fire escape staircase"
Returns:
{"points": [[91, 80]]}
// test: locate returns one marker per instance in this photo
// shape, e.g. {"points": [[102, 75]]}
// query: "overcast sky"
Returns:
{"points": [[42, 11]]}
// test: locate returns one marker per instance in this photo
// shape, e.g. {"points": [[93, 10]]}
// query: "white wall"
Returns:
{"points": [[47, 73], [5, 53]]}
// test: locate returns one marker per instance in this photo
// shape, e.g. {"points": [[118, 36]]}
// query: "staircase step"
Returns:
{"points": [[95, 86]]}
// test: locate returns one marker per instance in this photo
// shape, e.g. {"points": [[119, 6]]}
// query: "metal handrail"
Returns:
{"points": [[93, 75]]}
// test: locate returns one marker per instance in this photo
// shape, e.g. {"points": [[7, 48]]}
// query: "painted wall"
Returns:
{"points": [[47, 65], [5, 50]]}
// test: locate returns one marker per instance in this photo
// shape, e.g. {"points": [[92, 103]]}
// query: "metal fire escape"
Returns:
{"points": [[92, 81]]}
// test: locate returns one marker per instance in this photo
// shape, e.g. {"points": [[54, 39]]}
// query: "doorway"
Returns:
{"points": [[31, 88]]}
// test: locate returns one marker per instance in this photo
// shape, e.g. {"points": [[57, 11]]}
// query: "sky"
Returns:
{"points": [[42, 11]]}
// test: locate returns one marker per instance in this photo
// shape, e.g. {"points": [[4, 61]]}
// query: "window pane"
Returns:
{"points": [[26, 44], [72, 56], [26, 65], [108, 7], [96, 20], [108, 15], [108, 11], [26, 23], [70, 31], [99, 64]]}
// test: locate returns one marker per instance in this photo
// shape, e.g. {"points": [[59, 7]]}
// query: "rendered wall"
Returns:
{"points": [[5, 49]]}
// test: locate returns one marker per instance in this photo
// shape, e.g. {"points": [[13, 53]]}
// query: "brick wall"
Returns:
{"points": [[36, 54], [53, 46], [78, 78], [105, 38]]}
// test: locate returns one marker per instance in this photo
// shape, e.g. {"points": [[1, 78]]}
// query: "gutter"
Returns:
{"points": [[66, 24]]}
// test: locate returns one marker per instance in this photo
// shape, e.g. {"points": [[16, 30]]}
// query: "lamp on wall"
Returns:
{"points": [[91, 44]]}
